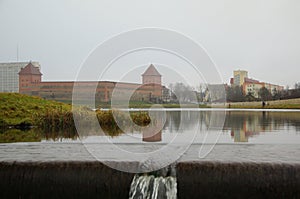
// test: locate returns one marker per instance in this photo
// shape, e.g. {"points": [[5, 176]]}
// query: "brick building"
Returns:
{"points": [[9, 78], [30, 83]]}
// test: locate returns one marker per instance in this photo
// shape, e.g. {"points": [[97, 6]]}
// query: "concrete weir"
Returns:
{"points": [[237, 180], [62, 180], [92, 179]]}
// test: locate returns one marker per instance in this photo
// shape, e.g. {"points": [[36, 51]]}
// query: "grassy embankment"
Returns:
{"points": [[277, 104], [138, 104], [21, 111]]}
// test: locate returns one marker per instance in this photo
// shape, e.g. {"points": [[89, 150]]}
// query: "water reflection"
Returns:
{"points": [[153, 134], [244, 125], [239, 126]]}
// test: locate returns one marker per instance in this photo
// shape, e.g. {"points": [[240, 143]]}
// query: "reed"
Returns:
{"points": [[50, 117]]}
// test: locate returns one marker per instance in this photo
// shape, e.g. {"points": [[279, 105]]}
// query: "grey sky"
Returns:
{"points": [[261, 36]]}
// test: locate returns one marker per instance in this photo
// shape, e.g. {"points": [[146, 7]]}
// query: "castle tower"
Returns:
{"points": [[29, 79], [151, 76], [152, 84]]}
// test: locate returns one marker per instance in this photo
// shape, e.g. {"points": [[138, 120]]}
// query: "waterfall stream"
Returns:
{"points": [[151, 187], [161, 184]]}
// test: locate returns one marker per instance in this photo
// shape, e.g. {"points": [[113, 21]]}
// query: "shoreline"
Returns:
{"points": [[276, 104]]}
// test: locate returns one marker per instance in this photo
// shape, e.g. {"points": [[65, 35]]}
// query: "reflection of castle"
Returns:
{"points": [[30, 83]]}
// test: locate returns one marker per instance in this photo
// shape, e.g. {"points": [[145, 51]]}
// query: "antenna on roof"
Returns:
{"points": [[17, 51]]}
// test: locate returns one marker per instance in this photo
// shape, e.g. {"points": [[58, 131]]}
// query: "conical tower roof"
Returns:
{"points": [[151, 71], [30, 69]]}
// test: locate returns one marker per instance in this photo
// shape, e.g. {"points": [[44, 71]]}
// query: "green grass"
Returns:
{"points": [[139, 104], [22, 110], [50, 117], [271, 106]]}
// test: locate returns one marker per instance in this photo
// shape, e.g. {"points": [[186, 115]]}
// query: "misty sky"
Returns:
{"points": [[261, 36]]}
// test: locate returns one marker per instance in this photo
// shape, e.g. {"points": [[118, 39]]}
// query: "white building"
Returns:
{"points": [[252, 86], [9, 77]]}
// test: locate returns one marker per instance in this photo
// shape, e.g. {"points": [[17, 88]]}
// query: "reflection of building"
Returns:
{"points": [[30, 83], [239, 136], [244, 125], [9, 78], [252, 86]]}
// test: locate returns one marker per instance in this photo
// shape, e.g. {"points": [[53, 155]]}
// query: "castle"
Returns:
{"points": [[30, 83]]}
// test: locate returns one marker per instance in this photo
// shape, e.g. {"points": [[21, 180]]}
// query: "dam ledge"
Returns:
{"points": [[68, 170], [79, 152]]}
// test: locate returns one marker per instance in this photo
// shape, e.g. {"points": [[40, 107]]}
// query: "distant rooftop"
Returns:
{"points": [[249, 80], [30, 69], [19, 64]]}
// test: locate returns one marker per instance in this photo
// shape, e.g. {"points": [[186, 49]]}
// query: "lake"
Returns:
{"points": [[253, 126], [182, 132]]}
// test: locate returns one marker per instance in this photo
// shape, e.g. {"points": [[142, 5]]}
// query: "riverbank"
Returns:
{"points": [[22, 111], [138, 104], [276, 104], [40, 117], [17, 110]]}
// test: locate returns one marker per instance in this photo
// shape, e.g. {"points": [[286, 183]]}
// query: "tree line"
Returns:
{"points": [[185, 93], [235, 94]]}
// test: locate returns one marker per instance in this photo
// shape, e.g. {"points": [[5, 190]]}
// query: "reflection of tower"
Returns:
{"points": [[153, 133]]}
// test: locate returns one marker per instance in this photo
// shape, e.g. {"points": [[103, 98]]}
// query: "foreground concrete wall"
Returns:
{"points": [[62, 180], [194, 180], [237, 180]]}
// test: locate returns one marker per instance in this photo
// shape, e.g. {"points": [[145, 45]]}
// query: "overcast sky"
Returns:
{"points": [[261, 36]]}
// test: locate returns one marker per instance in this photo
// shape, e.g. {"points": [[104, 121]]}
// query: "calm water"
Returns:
{"points": [[222, 135], [218, 126], [208, 126]]}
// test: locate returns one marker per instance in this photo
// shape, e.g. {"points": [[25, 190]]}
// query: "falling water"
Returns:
{"points": [[148, 187], [161, 184]]}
